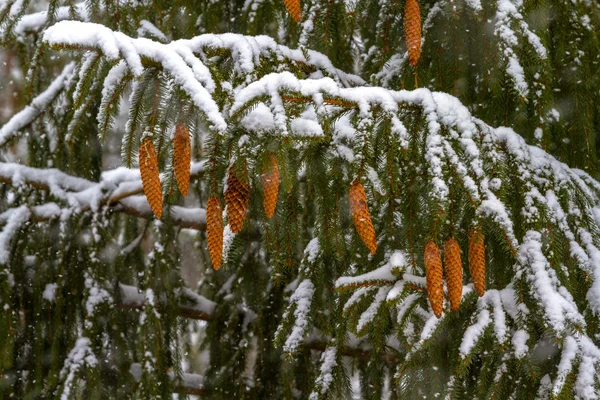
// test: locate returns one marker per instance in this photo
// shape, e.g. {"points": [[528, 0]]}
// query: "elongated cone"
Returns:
{"points": [[412, 30], [294, 8], [270, 183], [237, 196], [359, 209], [182, 149], [150, 176], [454, 272], [214, 231], [433, 273], [477, 259]]}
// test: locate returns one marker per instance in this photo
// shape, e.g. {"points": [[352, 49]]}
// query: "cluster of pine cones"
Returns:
{"points": [[148, 162], [237, 194], [454, 270], [237, 197]]}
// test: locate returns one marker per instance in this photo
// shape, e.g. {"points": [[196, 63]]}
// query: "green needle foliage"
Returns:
{"points": [[494, 129]]}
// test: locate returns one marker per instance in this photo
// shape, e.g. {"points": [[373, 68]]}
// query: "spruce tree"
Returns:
{"points": [[390, 198]]}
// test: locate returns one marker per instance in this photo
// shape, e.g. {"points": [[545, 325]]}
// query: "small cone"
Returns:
{"points": [[454, 272], [150, 176], [294, 8], [182, 149], [361, 217], [270, 183], [477, 259], [237, 196], [412, 30], [433, 272], [214, 231]]}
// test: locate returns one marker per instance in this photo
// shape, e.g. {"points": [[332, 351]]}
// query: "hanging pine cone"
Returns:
{"points": [[361, 217], [181, 158], [412, 30], [294, 8], [270, 182], [214, 231], [477, 259], [150, 176], [454, 272], [433, 272], [237, 196]]}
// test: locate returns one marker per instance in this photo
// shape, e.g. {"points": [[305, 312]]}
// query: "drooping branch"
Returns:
{"points": [[195, 306], [25, 117]]}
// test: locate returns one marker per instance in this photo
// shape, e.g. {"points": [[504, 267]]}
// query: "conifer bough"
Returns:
{"points": [[423, 151], [150, 176]]}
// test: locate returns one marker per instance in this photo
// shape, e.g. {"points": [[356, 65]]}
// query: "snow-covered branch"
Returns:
{"points": [[191, 304], [186, 60], [120, 189], [25, 117]]}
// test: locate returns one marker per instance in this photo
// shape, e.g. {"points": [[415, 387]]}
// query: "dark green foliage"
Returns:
{"points": [[94, 300]]}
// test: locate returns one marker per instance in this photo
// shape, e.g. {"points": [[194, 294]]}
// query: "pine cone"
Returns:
{"points": [[181, 158], [359, 210], [214, 231], [477, 259], [433, 272], [150, 176], [294, 8], [454, 272], [270, 183], [237, 196], [412, 30]]}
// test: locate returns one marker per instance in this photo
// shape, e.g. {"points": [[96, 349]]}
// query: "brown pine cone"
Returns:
{"points": [[433, 272], [294, 8], [359, 210], [237, 197], [412, 30], [214, 231], [454, 272], [150, 176], [182, 149], [477, 259], [270, 182]]}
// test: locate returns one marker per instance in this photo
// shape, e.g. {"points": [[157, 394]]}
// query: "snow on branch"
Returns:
{"points": [[558, 305], [120, 189], [81, 356], [379, 276], [299, 309], [39, 104], [14, 221], [329, 361], [191, 304], [33, 23], [387, 274], [185, 60]]}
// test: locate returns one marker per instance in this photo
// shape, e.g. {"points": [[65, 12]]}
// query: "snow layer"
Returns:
{"points": [[302, 298]]}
